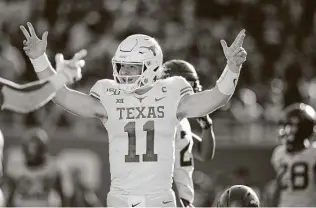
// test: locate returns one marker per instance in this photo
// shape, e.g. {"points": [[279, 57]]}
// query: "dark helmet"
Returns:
{"points": [[35, 146], [297, 125], [238, 196], [181, 68]]}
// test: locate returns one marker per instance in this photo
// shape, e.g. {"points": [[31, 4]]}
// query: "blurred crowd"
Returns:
{"points": [[279, 71], [279, 42]]}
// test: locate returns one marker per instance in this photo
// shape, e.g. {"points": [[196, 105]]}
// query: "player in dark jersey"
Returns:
{"points": [[32, 181], [238, 196]]}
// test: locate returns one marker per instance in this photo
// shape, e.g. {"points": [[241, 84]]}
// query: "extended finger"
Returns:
{"points": [[25, 32], [81, 63], [76, 64], [224, 45], [44, 36], [79, 55], [31, 28], [59, 58], [239, 36], [241, 40]]}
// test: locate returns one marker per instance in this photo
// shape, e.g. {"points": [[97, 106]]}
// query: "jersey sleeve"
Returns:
{"points": [[95, 91], [27, 97], [184, 87]]}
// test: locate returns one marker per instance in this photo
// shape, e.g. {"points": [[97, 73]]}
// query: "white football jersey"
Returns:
{"points": [[184, 161], [297, 173], [141, 130]]}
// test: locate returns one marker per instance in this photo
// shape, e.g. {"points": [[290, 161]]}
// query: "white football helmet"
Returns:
{"points": [[137, 49]]}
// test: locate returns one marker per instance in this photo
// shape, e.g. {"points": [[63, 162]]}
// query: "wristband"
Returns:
{"points": [[41, 63], [227, 82]]}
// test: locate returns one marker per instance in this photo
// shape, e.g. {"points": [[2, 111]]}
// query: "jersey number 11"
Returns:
{"points": [[150, 156]]}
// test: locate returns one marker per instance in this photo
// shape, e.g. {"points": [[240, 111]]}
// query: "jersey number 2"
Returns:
{"points": [[185, 149], [150, 156]]}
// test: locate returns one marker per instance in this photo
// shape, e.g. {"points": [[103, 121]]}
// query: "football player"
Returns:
{"points": [[31, 96], [203, 150], [141, 113], [31, 182], [238, 196], [294, 160]]}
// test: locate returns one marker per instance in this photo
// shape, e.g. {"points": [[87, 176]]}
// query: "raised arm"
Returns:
{"points": [[73, 101], [207, 101]]}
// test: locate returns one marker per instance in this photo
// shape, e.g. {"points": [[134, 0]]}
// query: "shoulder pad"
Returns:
{"points": [[181, 85], [184, 87], [100, 87]]}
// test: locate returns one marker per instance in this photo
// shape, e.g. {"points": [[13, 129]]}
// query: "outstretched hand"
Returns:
{"points": [[33, 46], [71, 68], [235, 53]]}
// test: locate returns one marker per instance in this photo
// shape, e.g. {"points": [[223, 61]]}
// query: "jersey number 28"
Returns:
{"points": [[299, 178], [150, 156]]}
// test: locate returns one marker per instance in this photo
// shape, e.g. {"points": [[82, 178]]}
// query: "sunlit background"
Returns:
{"points": [[280, 70]]}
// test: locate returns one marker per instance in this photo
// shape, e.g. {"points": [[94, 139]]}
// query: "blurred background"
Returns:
{"points": [[279, 71]]}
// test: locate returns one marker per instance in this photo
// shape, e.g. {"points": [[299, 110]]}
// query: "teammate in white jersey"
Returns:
{"points": [[295, 160], [141, 113], [186, 148]]}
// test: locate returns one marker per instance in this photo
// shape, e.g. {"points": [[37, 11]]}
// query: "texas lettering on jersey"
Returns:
{"points": [[140, 112]]}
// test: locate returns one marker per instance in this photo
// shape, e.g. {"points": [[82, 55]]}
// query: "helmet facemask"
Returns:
{"points": [[130, 83]]}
